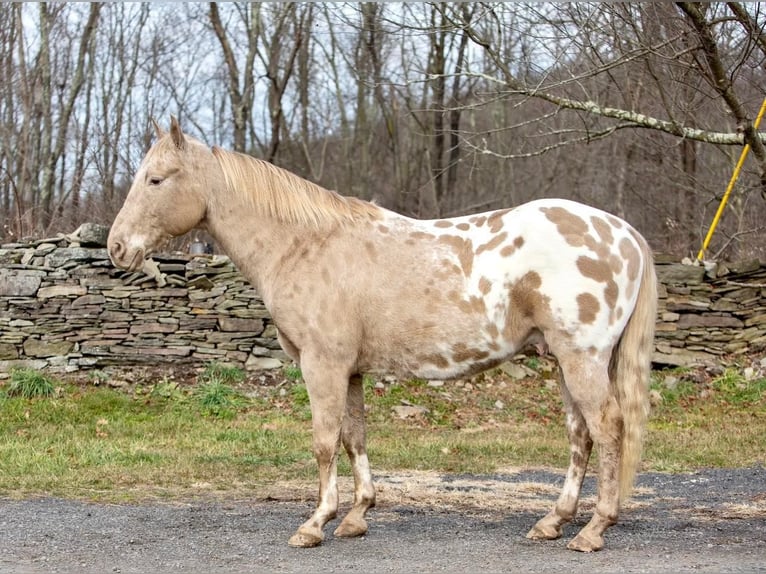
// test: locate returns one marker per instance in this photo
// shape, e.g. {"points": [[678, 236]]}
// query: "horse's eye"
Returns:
{"points": [[155, 180]]}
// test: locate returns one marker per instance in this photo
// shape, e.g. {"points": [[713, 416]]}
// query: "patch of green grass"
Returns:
{"points": [[439, 408], [299, 397], [220, 372], [292, 373], [722, 423], [532, 362], [216, 398], [676, 394], [167, 390], [29, 384], [97, 442], [738, 389]]}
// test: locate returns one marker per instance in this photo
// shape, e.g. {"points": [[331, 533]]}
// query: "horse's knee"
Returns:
{"points": [[325, 451]]}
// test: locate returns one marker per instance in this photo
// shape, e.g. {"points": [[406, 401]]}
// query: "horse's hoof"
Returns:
{"points": [[350, 529], [544, 532], [303, 539], [586, 543]]}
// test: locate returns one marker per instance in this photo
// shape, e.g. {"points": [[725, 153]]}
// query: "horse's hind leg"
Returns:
{"points": [[549, 527], [354, 441], [327, 388], [589, 387]]}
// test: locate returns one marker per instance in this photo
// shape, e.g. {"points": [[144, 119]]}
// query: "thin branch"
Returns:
{"points": [[732, 238], [590, 137]]}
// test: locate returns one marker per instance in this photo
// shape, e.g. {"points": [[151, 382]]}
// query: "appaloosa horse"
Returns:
{"points": [[354, 288]]}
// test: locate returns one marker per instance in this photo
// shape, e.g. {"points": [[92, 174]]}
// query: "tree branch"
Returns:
{"points": [[514, 86], [723, 85]]}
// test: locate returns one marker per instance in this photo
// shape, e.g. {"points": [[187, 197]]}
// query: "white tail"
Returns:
{"points": [[629, 372]]}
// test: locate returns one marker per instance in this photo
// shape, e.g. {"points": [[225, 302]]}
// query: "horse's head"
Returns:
{"points": [[167, 197]]}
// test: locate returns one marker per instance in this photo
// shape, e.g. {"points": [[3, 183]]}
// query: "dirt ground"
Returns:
{"points": [[708, 521]]}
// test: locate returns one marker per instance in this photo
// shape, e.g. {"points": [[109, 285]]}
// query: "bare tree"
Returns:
{"points": [[241, 81], [432, 109]]}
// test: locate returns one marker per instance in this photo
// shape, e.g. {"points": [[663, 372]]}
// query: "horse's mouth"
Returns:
{"points": [[137, 262]]}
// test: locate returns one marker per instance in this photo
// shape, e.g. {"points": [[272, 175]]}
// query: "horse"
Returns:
{"points": [[356, 289]]}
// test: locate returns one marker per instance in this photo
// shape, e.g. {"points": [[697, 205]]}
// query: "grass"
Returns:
{"points": [[29, 384], [222, 436], [221, 373], [715, 423]]}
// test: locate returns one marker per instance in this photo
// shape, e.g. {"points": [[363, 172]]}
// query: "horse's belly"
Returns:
{"points": [[435, 359]]}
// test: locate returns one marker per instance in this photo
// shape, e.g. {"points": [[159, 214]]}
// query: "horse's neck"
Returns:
{"points": [[255, 243]]}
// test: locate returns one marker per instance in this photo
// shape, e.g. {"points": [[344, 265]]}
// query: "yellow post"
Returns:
{"points": [[732, 181]]}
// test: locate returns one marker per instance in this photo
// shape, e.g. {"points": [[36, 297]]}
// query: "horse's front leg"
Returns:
{"points": [[354, 441], [327, 388]]}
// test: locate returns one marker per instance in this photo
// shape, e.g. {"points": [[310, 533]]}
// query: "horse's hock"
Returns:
{"points": [[64, 306]]}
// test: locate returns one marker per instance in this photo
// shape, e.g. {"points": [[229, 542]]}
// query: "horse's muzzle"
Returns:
{"points": [[123, 258]]}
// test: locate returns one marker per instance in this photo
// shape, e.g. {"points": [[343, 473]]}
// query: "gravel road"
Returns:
{"points": [[708, 521]]}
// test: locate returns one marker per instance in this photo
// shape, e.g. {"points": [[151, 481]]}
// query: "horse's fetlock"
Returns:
{"points": [[565, 514]]}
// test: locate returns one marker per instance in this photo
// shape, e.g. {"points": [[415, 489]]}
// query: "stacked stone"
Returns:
{"points": [[64, 306], [703, 316]]}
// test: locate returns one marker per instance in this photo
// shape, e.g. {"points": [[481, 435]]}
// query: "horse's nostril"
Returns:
{"points": [[117, 250]]}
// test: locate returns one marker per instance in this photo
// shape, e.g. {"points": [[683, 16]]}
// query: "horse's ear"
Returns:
{"points": [[177, 134], [157, 129]]}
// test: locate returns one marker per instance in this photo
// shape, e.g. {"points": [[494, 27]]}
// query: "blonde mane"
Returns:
{"points": [[286, 197]]}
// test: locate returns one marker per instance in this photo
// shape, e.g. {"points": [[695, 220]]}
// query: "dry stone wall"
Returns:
{"points": [[63, 306], [704, 316]]}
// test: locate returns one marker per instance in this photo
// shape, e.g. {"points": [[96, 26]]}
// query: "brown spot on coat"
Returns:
{"points": [[463, 226], [588, 306], [462, 353], [509, 250], [632, 256], [463, 248], [477, 304], [478, 220], [495, 220], [615, 263], [599, 270], [371, 251], [595, 269], [523, 291], [611, 291], [443, 223], [616, 222], [473, 305], [485, 285], [571, 227], [492, 243], [383, 228], [529, 309], [421, 235], [435, 359], [603, 229], [598, 247], [447, 270]]}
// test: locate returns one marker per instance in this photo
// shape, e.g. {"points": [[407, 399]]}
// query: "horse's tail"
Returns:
{"points": [[630, 369]]}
